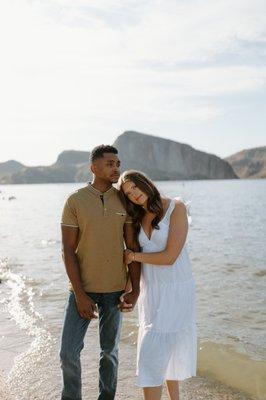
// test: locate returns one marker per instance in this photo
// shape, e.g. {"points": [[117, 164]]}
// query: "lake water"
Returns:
{"points": [[227, 244]]}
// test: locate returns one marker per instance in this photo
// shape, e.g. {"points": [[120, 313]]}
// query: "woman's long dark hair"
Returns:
{"points": [[154, 203]]}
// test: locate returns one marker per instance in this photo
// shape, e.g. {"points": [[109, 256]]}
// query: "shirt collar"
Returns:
{"points": [[97, 192]]}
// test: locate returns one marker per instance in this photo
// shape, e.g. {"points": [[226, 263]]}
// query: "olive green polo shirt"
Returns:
{"points": [[100, 218]]}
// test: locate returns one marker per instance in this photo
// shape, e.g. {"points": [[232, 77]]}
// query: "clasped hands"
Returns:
{"points": [[128, 299], [129, 256]]}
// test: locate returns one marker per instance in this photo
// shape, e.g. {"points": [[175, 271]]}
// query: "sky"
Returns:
{"points": [[78, 73]]}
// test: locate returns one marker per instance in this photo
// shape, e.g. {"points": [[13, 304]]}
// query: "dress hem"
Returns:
{"points": [[166, 379]]}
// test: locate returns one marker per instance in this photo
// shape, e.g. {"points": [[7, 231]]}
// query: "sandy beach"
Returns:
{"points": [[17, 379]]}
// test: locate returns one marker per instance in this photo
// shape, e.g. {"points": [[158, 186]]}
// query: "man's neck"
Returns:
{"points": [[101, 185]]}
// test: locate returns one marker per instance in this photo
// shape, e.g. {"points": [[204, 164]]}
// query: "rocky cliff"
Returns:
{"points": [[160, 159], [163, 159]]}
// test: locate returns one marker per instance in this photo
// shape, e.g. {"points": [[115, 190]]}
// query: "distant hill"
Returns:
{"points": [[9, 167], [73, 157], [160, 159], [50, 174], [70, 166], [250, 163]]}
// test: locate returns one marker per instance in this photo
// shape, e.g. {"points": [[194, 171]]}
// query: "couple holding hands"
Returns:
{"points": [[97, 222]]}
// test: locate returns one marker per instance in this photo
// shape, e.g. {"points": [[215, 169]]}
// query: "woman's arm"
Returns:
{"points": [[176, 239]]}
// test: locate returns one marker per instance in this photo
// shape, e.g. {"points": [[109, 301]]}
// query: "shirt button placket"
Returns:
{"points": [[104, 207]]}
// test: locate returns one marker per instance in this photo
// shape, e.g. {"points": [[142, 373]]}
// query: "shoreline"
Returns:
{"points": [[196, 388]]}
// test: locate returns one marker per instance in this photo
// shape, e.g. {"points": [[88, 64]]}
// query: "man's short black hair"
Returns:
{"points": [[98, 151]]}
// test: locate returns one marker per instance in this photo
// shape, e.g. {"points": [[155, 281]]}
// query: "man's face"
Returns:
{"points": [[107, 167]]}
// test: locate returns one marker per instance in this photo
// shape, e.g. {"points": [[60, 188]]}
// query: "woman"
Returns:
{"points": [[167, 343]]}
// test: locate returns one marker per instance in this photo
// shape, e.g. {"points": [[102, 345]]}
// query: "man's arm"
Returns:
{"points": [[86, 306], [134, 267]]}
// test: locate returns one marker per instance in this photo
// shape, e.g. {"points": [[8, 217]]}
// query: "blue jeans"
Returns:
{"points": [[72, 342]]}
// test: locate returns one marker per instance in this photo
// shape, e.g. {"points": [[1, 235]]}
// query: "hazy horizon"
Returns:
{"points": [[77, 74]]}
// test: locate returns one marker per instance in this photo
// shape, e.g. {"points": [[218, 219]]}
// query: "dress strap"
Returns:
{"points": [[187, 205], [170, 208]]}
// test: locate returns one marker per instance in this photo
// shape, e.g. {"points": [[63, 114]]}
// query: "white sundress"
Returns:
{"points": [[167, 339]]}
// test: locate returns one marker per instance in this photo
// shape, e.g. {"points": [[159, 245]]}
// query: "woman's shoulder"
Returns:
{"points": [[173, 207], [178, 206], [179, 203], [176, 201]]}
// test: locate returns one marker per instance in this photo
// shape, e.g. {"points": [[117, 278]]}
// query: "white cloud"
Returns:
{"points": [[78, 64]]}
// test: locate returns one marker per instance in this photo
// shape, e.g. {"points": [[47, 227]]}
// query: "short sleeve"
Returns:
{"points": [[128, 220], [69, 215]]}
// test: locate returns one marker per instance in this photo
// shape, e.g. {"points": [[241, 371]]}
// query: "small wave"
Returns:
{"points": [[26, 373], [260, 273], [236, 266], [49, 242], [20, 302]]}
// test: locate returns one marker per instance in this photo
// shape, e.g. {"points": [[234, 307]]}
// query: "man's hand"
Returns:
{"points": [[86, 306], [128, 301]]}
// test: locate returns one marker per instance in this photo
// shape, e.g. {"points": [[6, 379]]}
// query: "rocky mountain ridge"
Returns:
{"points": [[159, 158]]}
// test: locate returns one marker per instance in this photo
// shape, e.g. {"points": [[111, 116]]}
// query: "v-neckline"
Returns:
{"points": [[149, 238]]}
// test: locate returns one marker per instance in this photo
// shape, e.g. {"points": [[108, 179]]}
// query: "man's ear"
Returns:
{"points": [[92, 168]]}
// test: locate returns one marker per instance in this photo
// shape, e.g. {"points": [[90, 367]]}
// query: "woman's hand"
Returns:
{"points": [[128, 301], [128, 256]]}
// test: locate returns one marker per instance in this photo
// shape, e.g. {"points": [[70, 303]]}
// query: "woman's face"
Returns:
{"points": [[134, 194]]}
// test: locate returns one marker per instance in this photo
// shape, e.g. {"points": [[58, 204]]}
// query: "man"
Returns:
{"points": [[94, 228]]}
